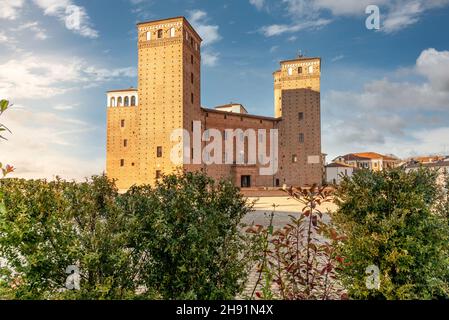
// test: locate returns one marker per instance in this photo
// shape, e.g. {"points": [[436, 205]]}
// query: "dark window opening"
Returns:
{"points": [[159, 152], [301, 116], [125, 143], [301, 137], [122, 123], [122, 162], [158, 174], [160, 33], [246, 181], [191, 58], [191, 97], [300, 70], [191, 77], [278, 183]]}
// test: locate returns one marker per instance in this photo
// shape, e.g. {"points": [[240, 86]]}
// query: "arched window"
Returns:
{"points": [[119, 101], [126, 101], [310, 69], [148, 35], [290, 71], [172, 32], [112, 102], [133, 100], [160, 33]]}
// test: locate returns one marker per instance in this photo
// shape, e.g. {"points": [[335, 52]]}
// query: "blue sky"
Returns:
{"points": [[385, 91]]}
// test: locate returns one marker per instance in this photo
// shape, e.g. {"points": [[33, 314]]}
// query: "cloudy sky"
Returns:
{"points": [[385, 91]]}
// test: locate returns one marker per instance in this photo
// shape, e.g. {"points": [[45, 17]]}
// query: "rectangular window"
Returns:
{"points": [[191, 59], [122, 162], [122, 123], [191, 77], [158, 174], [159, 152], [301, 116], [191, 97], [125, 143], [301, 137], [300, 70], [160, 33], [294, 158]]}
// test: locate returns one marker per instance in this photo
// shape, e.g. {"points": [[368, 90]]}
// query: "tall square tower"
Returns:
{"points": [[169, 91], [297, 102]]}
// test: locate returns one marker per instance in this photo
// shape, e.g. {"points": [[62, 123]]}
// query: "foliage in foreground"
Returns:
{"points": [[298, 261], [178, 240], [391, 221]]}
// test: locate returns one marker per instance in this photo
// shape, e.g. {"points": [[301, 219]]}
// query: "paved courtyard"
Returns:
{"points": [[285, 207]]}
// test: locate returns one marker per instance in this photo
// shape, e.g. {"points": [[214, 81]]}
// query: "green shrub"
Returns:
{"points": [[391, 222], [188, 230], [179, 240]]}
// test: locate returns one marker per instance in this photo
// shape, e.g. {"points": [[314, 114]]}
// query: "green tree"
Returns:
{"points": [[390, 222], [179, 240], [4, 170], [188, 232]]}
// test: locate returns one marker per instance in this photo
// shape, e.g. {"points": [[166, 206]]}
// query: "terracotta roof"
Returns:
{"points": [[429, 165], [338, 165], [246, 115], [363, 156]]}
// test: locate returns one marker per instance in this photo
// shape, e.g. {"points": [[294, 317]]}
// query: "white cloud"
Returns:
{"points": [[392, 116], [9, 9], [74, 17], [34, 28], [3, 37], [259, 4], [209, 33], [434, 65], [209, 59], [276, 29], [395, 14], [34, 77], [41, 143], [338, 58]]}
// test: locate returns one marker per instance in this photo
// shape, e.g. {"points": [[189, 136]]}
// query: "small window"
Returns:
{"points": [[290, 71], [301, 137], [158, 174], [301, 116], [191, 59], [294, 158], [133, 101], [159, 152], [172, 32], [187, 36], [160, 33], [148, 35], [119, 101], [125, 143], [310, 69], [112, 102], [122, 162], [122, 123], [300, 70], [191, 77], [191, 42], [191, 98], [126, 101]]}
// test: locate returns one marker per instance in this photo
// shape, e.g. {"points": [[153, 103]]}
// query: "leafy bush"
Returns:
{"points": [[179, 240], [188, 228], [298, 261], [391, 222]]}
